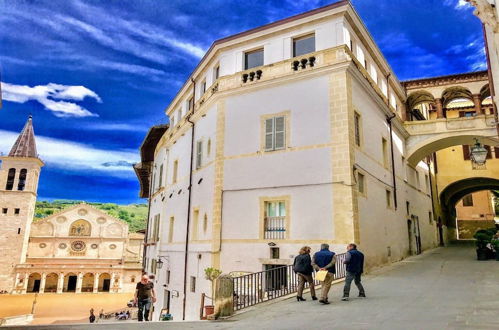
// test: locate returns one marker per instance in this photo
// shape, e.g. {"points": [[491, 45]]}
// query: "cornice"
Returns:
{"points": [[446, 80]]}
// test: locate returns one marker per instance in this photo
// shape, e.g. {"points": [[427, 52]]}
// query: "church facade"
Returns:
{"points": [[79, 249]]}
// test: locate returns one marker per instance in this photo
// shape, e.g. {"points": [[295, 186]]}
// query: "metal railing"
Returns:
{"points": [[275, 228], [275, 282]]}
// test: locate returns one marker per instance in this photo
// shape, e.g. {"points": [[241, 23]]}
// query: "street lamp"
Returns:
{"points": [[478, 153], [159, 262]]}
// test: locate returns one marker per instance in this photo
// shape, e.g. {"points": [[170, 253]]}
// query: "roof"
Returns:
{"points": [[447, 79], [25, 145]]}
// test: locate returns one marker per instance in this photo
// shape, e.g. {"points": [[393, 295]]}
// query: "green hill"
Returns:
{"points": [[134, 214]]}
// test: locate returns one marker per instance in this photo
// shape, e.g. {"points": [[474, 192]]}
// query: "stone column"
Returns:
{"points": [[42, 283], [120, 283], [224, 296], [478, 104], [16, 283], [96, 282], [60, 282], [79, 283], [111, 286], [25, 283], [440, 108]]}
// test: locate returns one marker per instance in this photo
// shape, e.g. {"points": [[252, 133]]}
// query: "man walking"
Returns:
{"points": [[144, 297], [355, 267], [325, 260]]}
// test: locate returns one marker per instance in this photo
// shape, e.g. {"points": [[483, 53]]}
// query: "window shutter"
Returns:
{"points": [[489, 152], [466, 152], [199, 154], [280, 133], [496, 151], [269, 134]]}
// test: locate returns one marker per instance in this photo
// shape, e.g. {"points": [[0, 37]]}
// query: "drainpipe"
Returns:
{"points": [[144, 252], [491, 78], [389, 120], [186, 254]]}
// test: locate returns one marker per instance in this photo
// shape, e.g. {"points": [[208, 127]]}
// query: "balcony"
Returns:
{"points": [[274, 228]]}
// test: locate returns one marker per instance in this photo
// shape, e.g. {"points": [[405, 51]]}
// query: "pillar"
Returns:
{"points": [[112, 287], [224, 296], [477, 100], [25, 283], [16, 283], [42, 283], [79, 283], [440, 108], [120, 283], [60, 282], [96, 282]]}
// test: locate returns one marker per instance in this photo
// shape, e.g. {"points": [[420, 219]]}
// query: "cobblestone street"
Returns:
{"points": [[445, 288]]}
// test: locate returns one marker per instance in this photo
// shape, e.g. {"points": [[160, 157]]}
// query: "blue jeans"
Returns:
{"points": [[356, 277], [144, 308]]}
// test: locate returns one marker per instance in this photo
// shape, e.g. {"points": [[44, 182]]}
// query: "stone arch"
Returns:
{"points": [[484, 92], [70, 280], [80, 228], [43, 229], [104, 282], [114, 230], [87, 284], [34, 281], [454, 93], [419, 104], [51, 282]]}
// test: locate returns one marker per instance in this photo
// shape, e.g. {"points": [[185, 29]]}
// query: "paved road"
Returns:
{"points": [[445, 288]]}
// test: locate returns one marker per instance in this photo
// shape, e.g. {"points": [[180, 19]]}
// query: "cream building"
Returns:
{"points": [[79, 249], [286, 135]]}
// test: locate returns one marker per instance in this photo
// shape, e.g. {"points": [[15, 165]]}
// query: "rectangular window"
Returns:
{"points": [[253, 59], [193, 283], [160, 176], [275, 220], [216, 72], [154, 182], [175, 171], [430, 217], [199, 154], [203, 87], [153, 266], [303, 45], [468, 200], [195, 225], [388, 199], [190, 104], [4, 211], [172, 121], [275, 133], [408, 207], [170, 229], [427, 183], [168, 274], [17, 211], [357, 129], [361, 183], [155, 234], [274, 253], [384, 147]]}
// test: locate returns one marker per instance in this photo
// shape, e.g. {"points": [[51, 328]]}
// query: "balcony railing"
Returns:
{"points": [[255, 288], [275, 228]]}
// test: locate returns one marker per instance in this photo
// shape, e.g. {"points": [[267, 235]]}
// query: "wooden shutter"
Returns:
{"points": [[466, 152], [496, 151], [280, 133], [489, 152], [269, 134]]}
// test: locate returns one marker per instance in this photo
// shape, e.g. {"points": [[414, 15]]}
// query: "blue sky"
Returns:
{"points": [[96, 74]]}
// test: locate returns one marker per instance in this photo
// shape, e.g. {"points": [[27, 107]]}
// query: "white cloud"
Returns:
{"points": [[462, 4], [115, 127], [53, 97], [77, 157]]}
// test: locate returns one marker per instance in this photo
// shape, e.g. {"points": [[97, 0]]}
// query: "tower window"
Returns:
{"points": [[17, 211], [18, 231], [22, 179], [10, 179], [4, 211]]}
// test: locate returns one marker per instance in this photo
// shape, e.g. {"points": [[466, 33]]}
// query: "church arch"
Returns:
{"points": [[10, 179], [51, 282], [104, 282], [34, 281], [22, 179], [70, 280], [88, 282]]}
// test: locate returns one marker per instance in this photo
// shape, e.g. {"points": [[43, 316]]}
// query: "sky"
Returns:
{"points": [[96, 75]]}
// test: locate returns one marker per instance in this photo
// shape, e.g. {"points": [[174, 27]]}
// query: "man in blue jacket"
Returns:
{"points": [[325, 260], [355, 267]]}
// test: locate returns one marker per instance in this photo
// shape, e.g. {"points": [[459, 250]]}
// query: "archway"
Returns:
{"points": [[88, 283], [104, 282], [420, 105], [34, 282], [51, 282], [70, 280]]}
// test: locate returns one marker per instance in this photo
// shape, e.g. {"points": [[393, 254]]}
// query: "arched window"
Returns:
{"points": [[80, 228], [10, 179], [22, 179]]}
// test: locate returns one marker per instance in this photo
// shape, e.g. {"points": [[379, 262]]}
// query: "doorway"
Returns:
{"points": [[36, 286], [72, 283], [106, 284], [276, 277], [166, 301], [409, 232]]}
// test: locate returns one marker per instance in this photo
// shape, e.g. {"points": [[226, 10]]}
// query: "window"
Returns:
{"points": [[195, 225], [208, 148], [168, 275], [253, 59], [274, 253], [275, 133], [357, 129], [418, 181], [193, 283], [172, 121], [190, 104], [170, 230], [10, 179], [427, 182], [275, 220], [4, 210], [205, 223], [199, 154], [430, 218], [161, 176], [468, 200], [154, 266], [203, 87], [175, 171], [384, 147], [388, 199], [216, 72], [408, 207], [153, 183], [180, 114], [303, 45], [155, 233], [22, 179], [361, 183], [17, 211]]}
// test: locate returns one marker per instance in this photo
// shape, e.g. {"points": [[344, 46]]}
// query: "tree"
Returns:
{"points": [[211, 275]]}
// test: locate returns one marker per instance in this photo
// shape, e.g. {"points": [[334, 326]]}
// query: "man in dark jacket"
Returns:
{"points": [[325, 260], [355, 267]]}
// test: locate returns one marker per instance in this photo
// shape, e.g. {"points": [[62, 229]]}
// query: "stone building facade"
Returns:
{"points": [[79, 249]]}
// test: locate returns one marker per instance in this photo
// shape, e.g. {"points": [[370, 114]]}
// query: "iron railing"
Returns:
{"points": [[275, 228], [275, 282]]}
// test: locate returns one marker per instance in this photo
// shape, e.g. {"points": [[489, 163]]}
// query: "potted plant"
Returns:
{"points": [[495, 245], [211, 274], [483, 237]]}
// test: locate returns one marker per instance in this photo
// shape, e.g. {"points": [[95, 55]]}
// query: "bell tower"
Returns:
{"points": [[19, 174]]}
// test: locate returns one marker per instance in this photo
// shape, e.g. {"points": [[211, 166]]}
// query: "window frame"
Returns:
{"points": [[300, 38], [263, 206], [357, 126], [199, 154], [254, 51], [468, 200], [361, 177], [286, 132]]}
